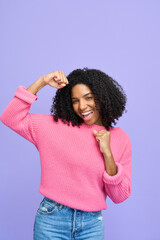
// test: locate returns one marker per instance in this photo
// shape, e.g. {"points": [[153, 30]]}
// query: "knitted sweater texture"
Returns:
{"points": [[72, 166]]}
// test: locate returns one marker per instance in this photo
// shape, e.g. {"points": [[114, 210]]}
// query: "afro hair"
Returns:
{"points": [[108, 94]]}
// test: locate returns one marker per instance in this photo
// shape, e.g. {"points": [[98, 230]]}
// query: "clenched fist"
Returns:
{"points": [[56, 79]]}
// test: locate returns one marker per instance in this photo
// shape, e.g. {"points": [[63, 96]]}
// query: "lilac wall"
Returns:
{"points": [[120, 38]]}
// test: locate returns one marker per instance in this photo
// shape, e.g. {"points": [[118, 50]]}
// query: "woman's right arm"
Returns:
{"points": [[56, 79], [36, 86], [16, 115]]}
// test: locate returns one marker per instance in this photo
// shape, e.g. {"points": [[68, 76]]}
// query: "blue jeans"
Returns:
{"points": [[59, 222]]}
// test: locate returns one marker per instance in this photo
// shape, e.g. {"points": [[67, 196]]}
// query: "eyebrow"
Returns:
{"points": [[83, 95]]}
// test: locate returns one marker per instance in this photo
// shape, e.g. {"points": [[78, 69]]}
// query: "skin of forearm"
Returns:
{"points": [[36, 86], [110, 165]]}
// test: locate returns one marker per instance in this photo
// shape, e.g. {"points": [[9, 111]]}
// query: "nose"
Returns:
{"points": [[82, 105]]}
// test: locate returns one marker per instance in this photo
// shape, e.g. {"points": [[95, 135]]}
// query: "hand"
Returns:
{"points": [[103, 138], [56, 79]]}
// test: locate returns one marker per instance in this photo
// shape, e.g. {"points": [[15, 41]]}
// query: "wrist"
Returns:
{"points": [[41, 82], [107, 153], [36, 86]]}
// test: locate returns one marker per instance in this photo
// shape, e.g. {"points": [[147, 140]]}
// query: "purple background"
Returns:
{"points": [[121, 38]]}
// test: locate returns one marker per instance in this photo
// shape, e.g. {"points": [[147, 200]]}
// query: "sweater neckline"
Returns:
{"points": [[94, 126]]}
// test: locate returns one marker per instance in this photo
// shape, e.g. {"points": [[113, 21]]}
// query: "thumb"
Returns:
{"points": [[94, 132]]}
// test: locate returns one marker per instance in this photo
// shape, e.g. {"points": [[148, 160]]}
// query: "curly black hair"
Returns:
{"points": [[108, 94]]}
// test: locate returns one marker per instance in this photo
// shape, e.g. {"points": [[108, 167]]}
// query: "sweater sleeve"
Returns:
{"points": [[119, 186], [17, 117]]}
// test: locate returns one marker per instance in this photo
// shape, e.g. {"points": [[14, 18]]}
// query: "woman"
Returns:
{"points": [[83, 157]]}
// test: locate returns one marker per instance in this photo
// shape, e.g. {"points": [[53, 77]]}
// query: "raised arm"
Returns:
{"points": [[36, 86], [16, 115], [56, 79]]}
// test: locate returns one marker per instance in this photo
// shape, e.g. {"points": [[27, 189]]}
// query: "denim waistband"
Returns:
{"points": [[50, 200], [62, 205]]}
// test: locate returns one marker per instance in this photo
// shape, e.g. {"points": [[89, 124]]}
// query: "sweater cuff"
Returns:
{"points": [[115, 179], [25, 95]]}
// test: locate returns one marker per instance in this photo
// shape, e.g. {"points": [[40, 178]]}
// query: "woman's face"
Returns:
{"points": [[83, 101]]}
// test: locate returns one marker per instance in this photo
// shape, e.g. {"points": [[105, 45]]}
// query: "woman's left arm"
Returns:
{"points": [[117, 180]]}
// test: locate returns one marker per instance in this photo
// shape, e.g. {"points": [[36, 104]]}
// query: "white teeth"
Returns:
{"points": [[86, 113]]}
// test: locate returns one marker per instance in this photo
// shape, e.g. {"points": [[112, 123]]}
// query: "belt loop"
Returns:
{"points": [[59, 206]]}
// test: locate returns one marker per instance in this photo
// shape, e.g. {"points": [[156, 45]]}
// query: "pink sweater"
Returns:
{"points": [[72, 166]]}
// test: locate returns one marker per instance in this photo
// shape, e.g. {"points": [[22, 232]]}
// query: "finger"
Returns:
{"points": [[99, 134], [102, 131], [97, 137], [67, 81], [60, 77], [54, 75], [60, 86], [63, 78]]}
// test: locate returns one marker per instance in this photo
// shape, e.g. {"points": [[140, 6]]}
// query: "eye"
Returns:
{"points": [[89, 97], [86, 98]]}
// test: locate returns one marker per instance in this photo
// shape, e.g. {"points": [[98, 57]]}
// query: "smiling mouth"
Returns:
{"points": [[87, 116]]}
